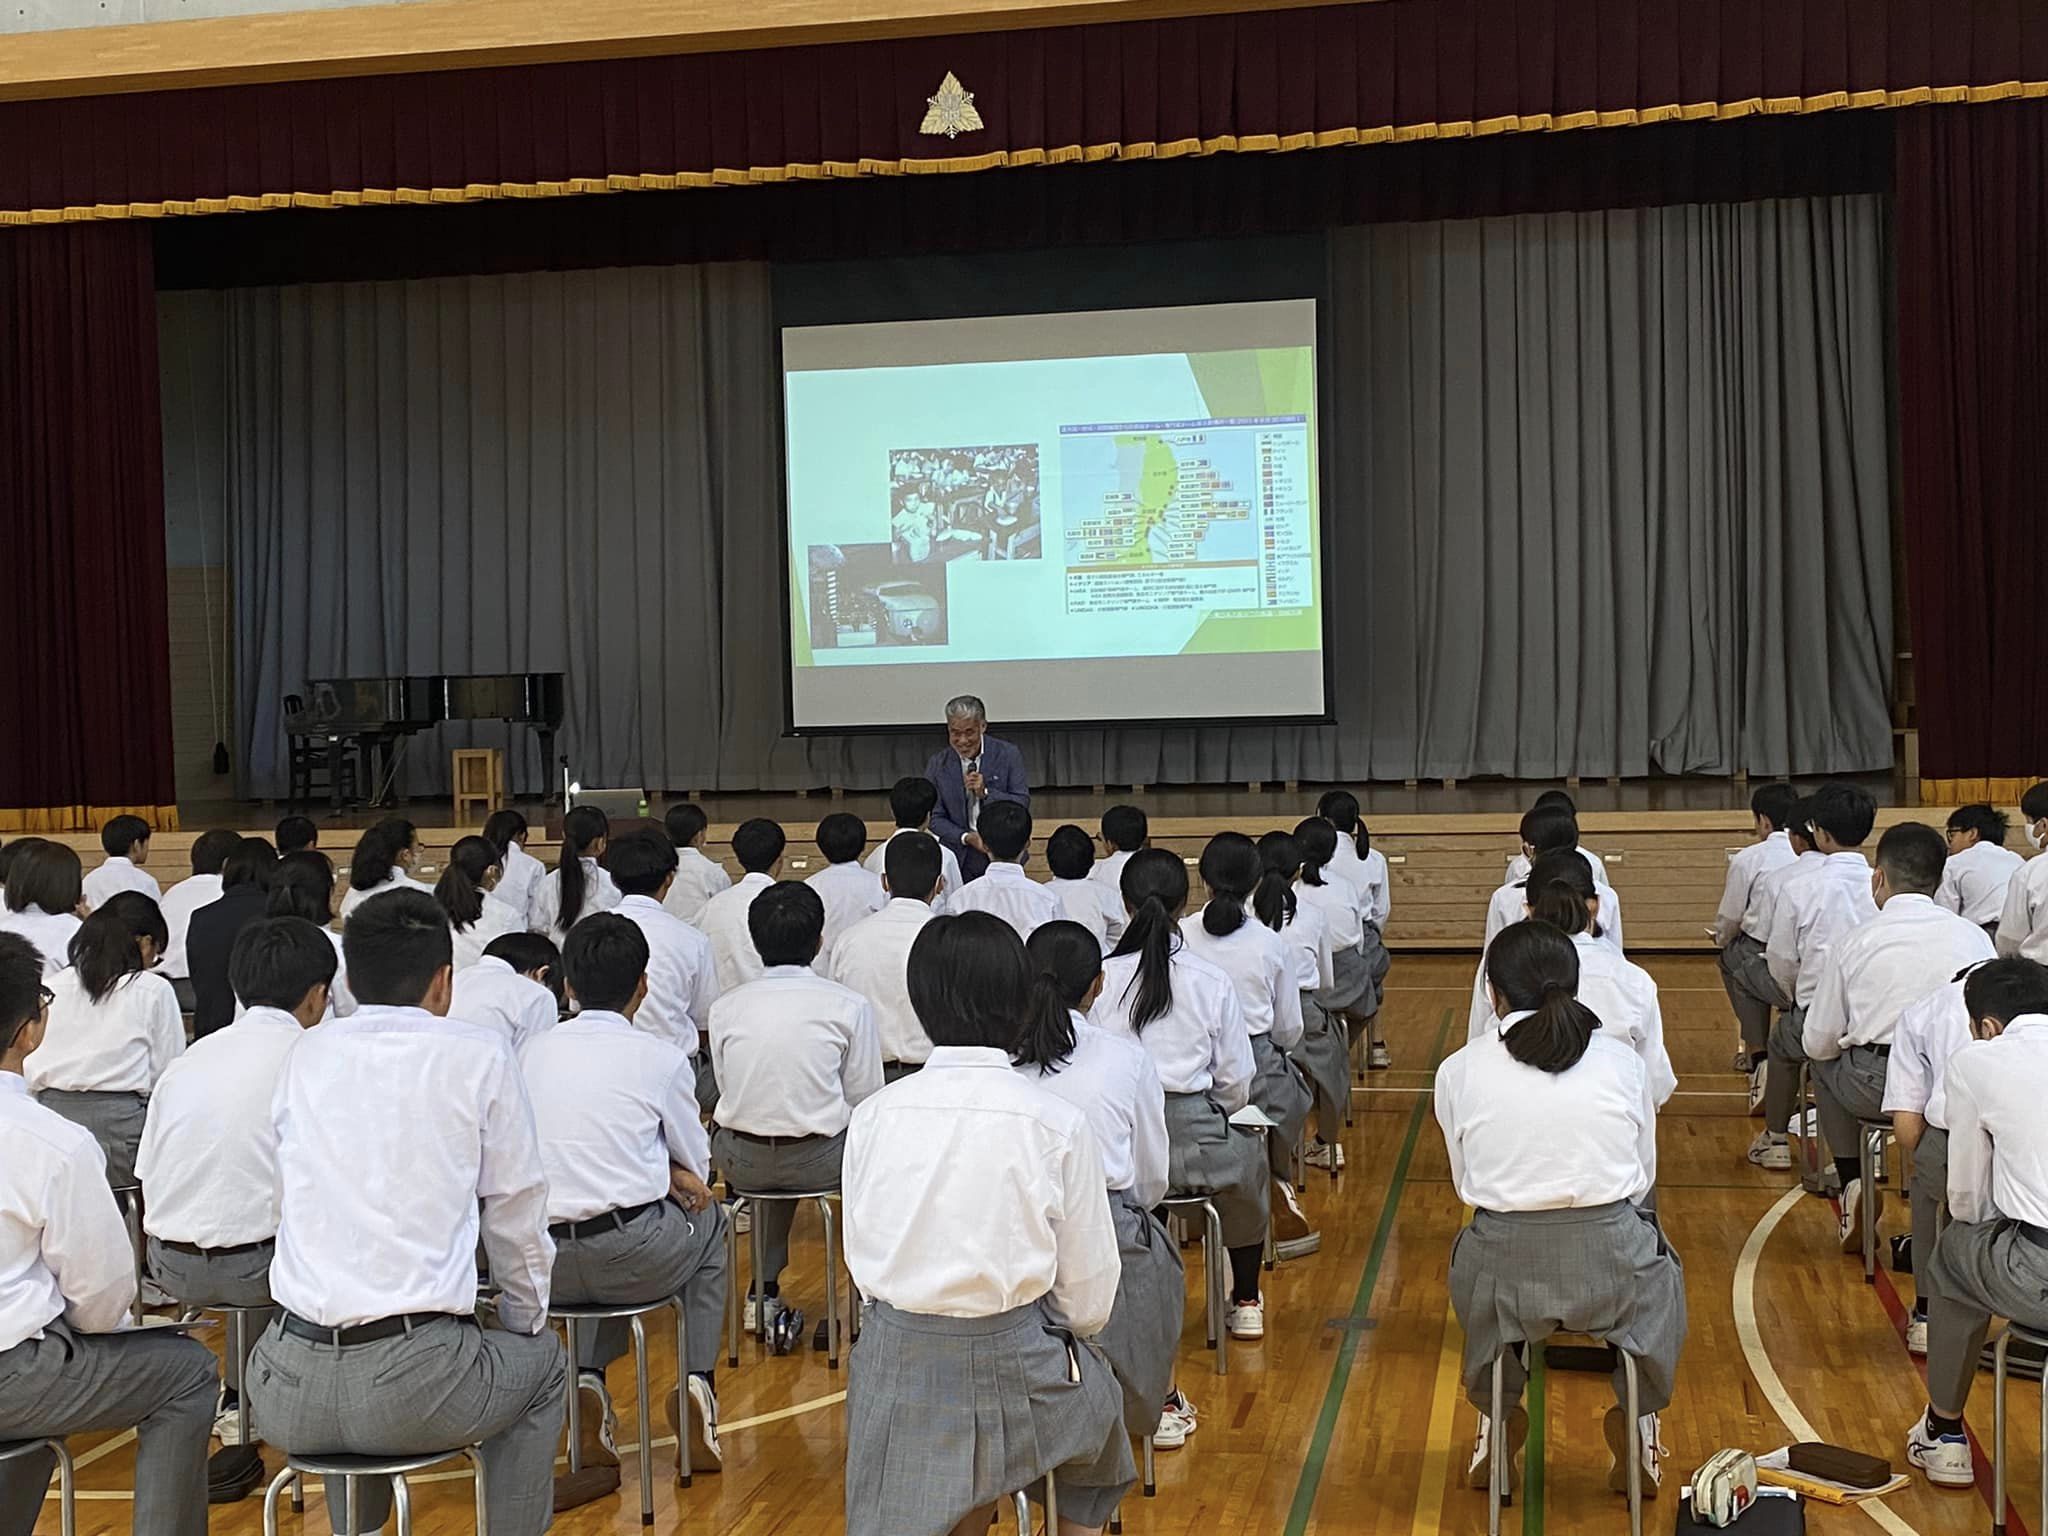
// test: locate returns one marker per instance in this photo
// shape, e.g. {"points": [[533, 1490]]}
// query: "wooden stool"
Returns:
{"points": [[478, 775]]}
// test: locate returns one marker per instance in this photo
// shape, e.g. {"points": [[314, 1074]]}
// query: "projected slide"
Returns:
{"points": [[1082, 517]]}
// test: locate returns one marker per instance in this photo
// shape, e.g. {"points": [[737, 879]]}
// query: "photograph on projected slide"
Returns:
{"points": [[950, 504], [863, 597]]}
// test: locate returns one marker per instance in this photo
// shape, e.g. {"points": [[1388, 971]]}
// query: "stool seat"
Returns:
{"points": [[781, 1194], [605, 1312], [338, 1464]]}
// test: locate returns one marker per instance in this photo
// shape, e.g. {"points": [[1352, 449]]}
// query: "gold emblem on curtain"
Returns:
{"points": [[951, 112]]}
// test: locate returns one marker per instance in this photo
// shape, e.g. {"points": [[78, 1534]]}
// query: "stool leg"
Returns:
{"points": [[1052, 1505], [1217, 1259], [1998, 1378], [1023, 1506], [67, 1494], [269, 1501], [2043, 1525], [238, 1341], [1867, 1170], [759, 1240], [574, 1415], [474, 1454], [298, 1494], [401, 1501], [1151, 1478], [1496, 1452], [831, 1291], [1632, 1441], [131, 1217], [638, 1323], [683, 1393], [732, 1293]]}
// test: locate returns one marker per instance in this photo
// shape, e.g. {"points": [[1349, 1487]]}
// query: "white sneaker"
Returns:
{"points": [[1376, 1057], [1771, 1151], [1325, 1154], [1247, 1319], [1944, 1458], [1916, 1336], [1851, 1219], [593, 1383], [1646, 1447], [1176, 1423], [1478, 1468], [227, 1422], [750, 1315], [705, 1455], [1757, 1075]]}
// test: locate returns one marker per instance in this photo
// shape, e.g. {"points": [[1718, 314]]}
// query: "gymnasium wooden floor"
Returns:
{"points": [[1348, 1418]]}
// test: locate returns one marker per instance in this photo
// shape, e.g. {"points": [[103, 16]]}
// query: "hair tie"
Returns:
{"points": [[1558, 986]]}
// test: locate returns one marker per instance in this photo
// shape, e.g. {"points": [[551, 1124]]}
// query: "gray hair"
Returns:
{"points": [[966, 707]]}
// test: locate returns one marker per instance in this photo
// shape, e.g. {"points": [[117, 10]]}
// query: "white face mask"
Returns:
{"points": [[2035, 836]]}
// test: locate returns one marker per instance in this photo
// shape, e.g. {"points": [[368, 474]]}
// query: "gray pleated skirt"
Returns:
{"points": [[115, 1120], [1325, 1060], [1144, 1328], [1279, 1089], [948, 1415], [1350, 980], [1207, 1155]]}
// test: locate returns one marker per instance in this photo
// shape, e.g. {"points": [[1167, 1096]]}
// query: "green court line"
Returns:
{"points": [[1532, 1449], [1361, 1307]]}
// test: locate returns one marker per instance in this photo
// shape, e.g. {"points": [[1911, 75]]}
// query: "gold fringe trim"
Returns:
{"points": [[1068, 154], [40, 819], [1995, 792]]}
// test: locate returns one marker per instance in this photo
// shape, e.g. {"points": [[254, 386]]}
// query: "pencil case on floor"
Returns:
{"points": [[1838, 1464]]}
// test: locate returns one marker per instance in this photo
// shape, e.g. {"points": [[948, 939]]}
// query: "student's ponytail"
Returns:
{"points": [[1155, 889], [1559, 891], [377, 851], [1066, 961], [1274, 899], [461, 887], [1535, 969], [107, 949], [1318, 840], [1231, 870], [583, 826]]}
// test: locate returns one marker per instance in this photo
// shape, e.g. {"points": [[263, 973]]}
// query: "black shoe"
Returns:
{"points": [[785, 1331], [233, 1473]]}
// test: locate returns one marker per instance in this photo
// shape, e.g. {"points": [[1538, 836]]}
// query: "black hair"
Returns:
{"points": [[1775, 803], [120, 835], [1125, 827], [640, 863], [1801, 824], [1554, 797], [1317, 840], [1844, 811], [295, 834], [1557, 892], [604, 960], [107, 948], [912, 801], [685, 822], [302, 886], [842, 837], [504, 828], [1339, 807], [1274, 900], [1912, 855], [276, 961], [21, 987], [254, 862], [1155, 889], [395, 945], [1231, 870], [1533, 966], [969, 981], [377, 852], [1005, 826], [8, 853], [757, 844], [460, 890], [1065, 961], [1550, 828], [914, 864], [1069, 853], [2006, 989], [530, 952], [787, 923], [210, 850], [582, 828], [46, 875], [1990, 825], [2034, 801]]}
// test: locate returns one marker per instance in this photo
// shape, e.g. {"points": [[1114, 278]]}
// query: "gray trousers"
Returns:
{"points": [[1788, 1055], [1753, 992], [666, 1252], [115, 1120], [1849, 1087], [1979, 1270], [707, 1082], [896, 1071], [443, 1384], [1930, 1188], [161, 1384], [809, 1163], [220, 1279]]}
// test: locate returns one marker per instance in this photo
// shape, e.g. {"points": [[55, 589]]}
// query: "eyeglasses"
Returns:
{"points": [[44, 998]]}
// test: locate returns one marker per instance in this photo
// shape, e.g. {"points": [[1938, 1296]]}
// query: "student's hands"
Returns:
{"points": [[973, 840], [690, 1191]]}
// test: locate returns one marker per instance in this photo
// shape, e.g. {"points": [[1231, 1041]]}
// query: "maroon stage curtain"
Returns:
{"points": [[84, 696], [1324, 76], [1972, 210]]}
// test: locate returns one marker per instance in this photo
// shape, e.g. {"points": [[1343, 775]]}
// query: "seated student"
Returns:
{"points": [[1869, 977], [1552, 1142], [578, 884], [468, 893], [793, 1053], [1070, 855], [1322, 1054], [911, 803], [1261, 968], [1126, 830], [1980, 867], [126, 840], [682, 977], [698, 876], [2023, 925], [1004, 888], [378, 1349], [758, 845], [382, 861], [1364, 869], [1741, 925], [1992, 1258], [1347, 995], [850, 891], [520, 871], [978, 1224], [615, 1107], [1555, 799], [1928, 1033], [515, 990], [1185, 1012], [210, 851], [66, 1362], [208, 1160], [245, 880], [114, 1028], [872, 957], [45, 897], [296, 834], [1551, 829], [302, 886]]}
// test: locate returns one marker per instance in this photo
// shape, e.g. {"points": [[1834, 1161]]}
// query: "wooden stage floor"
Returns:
{"points": [[1348, 1418]]}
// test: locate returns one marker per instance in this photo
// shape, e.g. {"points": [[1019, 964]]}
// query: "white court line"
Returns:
{"points": [[1753, 1351]]}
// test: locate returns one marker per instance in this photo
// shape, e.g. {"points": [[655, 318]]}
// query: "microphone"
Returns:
{"points": [[973, 764]]}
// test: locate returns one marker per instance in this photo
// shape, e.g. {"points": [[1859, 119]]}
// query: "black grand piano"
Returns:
{"points": [[371, 718]]}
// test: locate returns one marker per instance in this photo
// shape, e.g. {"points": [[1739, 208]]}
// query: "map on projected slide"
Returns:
{"points": [[1178, 493]]}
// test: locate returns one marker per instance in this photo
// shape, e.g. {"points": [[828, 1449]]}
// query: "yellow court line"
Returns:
{"points": [[1443, 1409]]}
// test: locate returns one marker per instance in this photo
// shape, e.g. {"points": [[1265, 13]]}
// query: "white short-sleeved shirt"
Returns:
{"points": [[698, 879], [497, 919], [397, 880], [1928, 1033], [1510, 904], [544, 911], [178, 905], [1997, 1135], [492, 995], [1009, 893], [792, 1053], [725, 925], [1974, 882], [873, 958], [1343, 914], [522, 872], [2023, 925], [1624, 996], [1260, 966], [1200, 1044], [1813, 910], [1093, 907], [1741, 910], [50, 932], [877, 863], [682, 977], [63, 1249], [120, 1043], [850, 893], [1872, 973], [119, 873], [1111, 1080]]}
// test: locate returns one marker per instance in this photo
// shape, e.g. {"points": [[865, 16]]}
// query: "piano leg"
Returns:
{"points": [[334, 751], [550, 780]]}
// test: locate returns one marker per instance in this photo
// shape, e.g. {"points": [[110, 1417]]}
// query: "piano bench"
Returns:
{"points": [[478, 777]]}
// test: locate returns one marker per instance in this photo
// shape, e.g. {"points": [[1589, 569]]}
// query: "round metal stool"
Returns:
{"points": [[1215, 1268], [758, 1240], [635, 1316], [352, 1468]]}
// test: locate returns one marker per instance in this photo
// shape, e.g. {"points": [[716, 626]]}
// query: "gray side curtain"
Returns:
{"points": [[1609, 492]]}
